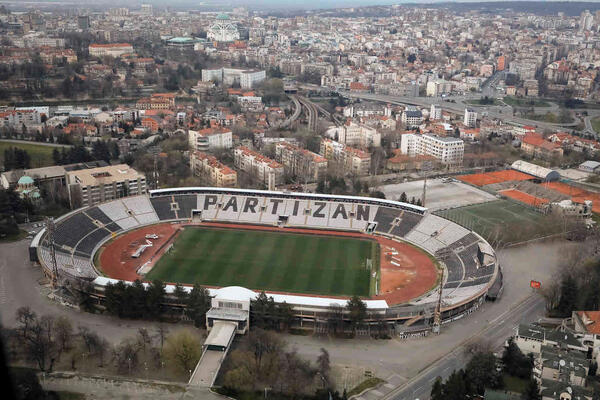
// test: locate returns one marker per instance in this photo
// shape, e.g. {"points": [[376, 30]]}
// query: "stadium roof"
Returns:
{"points": [[535, 170]]}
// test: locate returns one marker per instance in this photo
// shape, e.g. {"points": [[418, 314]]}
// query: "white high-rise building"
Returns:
{"points": [[435, 112], [448, 150], [470, 119], [586, 20]]}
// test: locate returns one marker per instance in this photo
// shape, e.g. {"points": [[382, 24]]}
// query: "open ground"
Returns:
{"points": [[439, 194]]}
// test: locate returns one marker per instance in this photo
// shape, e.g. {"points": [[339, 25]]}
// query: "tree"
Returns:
{"points": [[357, 311], [101, 151], [155, 296], [25, 317], [532, 391], [568, 295], [515, 362], [182, 350], [63, 331], [436, 390], [403, 198], [481, 373], [324, 367], [39, 344], [198, 304], [126, 356], [455, 387], [411, 58]]}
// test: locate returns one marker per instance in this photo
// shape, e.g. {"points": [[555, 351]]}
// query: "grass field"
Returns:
{"points": [[296, 263], [41, 156], [506, 220], [525, 102], [596, 124]]}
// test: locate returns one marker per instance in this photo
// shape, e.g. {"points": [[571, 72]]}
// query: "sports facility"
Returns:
{"points": [[501, 215], [311, 251], [523, 197], [488, 178], [289, 262]]}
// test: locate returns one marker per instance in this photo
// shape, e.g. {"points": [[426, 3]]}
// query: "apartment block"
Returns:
{"points": [[356, 135], [448, 150], [210, 139], [354, 161], [304, 164], [96, 185], [212, 171], [257, 165]]}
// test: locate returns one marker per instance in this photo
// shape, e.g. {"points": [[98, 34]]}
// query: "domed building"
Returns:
{"points": [[27, 189], [223, 30]]}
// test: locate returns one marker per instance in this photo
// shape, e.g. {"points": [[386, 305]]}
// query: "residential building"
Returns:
{"points": [[113, 49], [212, 171], [354, 161], [87, 187], [435, 112], [535, 145], [448, 150], [18, 118], [436, 88], [586, 325], [210, 139], [257, 165], [247, 78], [404, 162], [299, 162], [412, 117], [355, 135], [470, 118]]}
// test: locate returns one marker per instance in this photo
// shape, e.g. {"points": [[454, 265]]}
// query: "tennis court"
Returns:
{"points": [[524, 197], [488, 178]]}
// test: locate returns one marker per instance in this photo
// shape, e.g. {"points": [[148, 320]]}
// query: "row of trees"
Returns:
{"points": [[482, 372], [47, 339], [576, 286], [137, 301], [15, 158], [13, 209], [404, 198]]}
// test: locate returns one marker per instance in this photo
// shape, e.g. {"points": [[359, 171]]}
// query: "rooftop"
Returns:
{"points": [[103, 175]]}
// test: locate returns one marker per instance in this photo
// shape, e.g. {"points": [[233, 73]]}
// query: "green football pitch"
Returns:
{"points": [[260, 260], [501, 219]]}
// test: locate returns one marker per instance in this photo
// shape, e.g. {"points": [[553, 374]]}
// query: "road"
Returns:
{"points": [[16, 141], [496, 332], [295, 115], [457, 107], [312, 113]]}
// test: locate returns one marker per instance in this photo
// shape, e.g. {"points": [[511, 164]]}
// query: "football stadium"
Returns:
{"points": [[312, 251]]}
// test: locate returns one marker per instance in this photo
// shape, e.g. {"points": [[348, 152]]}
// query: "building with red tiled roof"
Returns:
{"points": [[534, 144], [257, 165], [304, 164], [354, 161], [209, 139], [211, 171]]}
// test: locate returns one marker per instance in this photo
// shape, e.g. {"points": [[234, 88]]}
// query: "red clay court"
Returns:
{"points": [[407, 274], [577, 195], [524, 197], [488, 178]]}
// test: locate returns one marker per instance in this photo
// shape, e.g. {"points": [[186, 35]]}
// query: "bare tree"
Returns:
{"points": [[25, 317], [63, 331], [39, 344], [324, 367], [162, 332]]}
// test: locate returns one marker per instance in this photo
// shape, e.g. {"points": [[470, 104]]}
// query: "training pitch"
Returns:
{"points": [[506, 217], [286, 262]]}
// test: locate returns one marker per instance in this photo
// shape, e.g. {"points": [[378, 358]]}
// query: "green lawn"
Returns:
{"points": [[261, 260], [525, 102], [505, 220], [514, 384], [550, 118], [41, 156], [596, 124]]}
